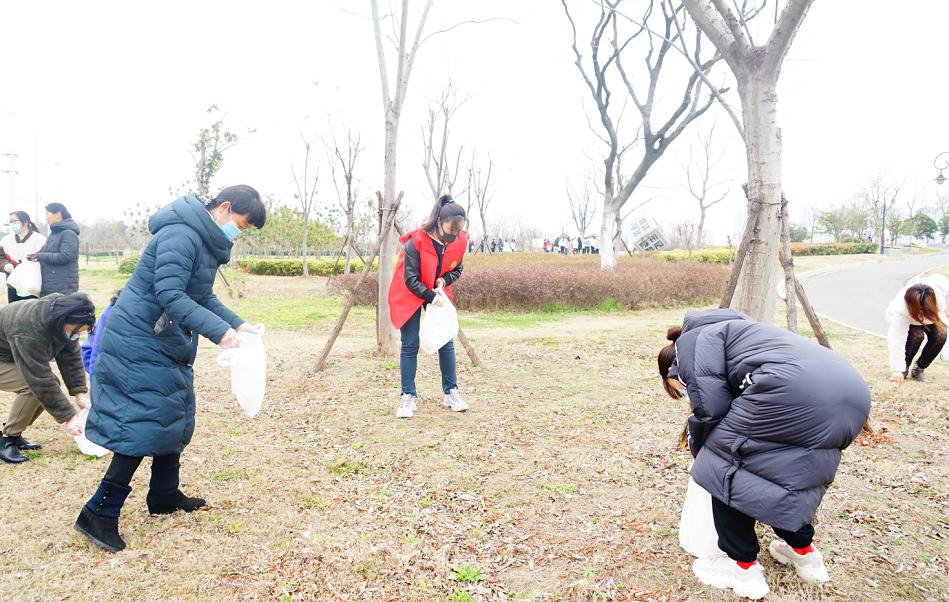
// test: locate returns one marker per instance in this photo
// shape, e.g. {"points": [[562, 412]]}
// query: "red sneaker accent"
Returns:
{"points": [[746, 565], [804, 551]]}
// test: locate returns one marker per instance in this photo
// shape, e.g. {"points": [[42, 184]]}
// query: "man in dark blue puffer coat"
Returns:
{"points": [[143, 388], [771, 413]]}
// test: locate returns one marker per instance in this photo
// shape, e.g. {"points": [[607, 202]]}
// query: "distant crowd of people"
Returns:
{"points": [[565, 245], [495, 245]]}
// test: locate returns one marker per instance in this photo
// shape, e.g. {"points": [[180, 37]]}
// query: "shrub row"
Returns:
{"points": [[798, 249], [294, 267], [637, 284], [129, 264], [803, 249]]}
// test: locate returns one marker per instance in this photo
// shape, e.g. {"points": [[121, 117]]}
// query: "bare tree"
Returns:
{"points": [[438, 162], [306, 196], [606, 69], [345, 156], [480, 188], [756, 69], [582, 208], [393, 100], [210, 146], [701, 187]]}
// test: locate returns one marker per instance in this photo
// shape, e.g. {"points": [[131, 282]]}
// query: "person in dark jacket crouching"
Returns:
{"points": [[143, 384], [771, 413], [33, 333]]}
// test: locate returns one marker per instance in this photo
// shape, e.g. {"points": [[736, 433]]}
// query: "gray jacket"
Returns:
{"points": [[771, 414]]}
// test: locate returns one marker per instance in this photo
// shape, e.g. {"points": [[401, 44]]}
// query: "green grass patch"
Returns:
{"points": [[468, 573], [293, 313]]}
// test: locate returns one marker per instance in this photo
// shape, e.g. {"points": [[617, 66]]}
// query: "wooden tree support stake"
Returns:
{"points": [[751, 231], [469, 348], [787, 262], [389, 221]]}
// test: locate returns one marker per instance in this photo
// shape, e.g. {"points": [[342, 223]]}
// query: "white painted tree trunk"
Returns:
{"points": [[386, 335], [350, 232], [755, 294], [306, 246], [608, 235]]}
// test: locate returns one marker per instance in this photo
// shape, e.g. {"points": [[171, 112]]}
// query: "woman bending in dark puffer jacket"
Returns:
{"points": [[771, 413]]}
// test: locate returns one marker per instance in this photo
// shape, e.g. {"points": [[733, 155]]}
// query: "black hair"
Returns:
{"points": [[24, 217], [445, 209], [75, 309], [245, 201], [667, 356], [59, 208]]}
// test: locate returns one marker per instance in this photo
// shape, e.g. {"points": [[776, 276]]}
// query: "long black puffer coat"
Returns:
{"points": [[771, 414], [59, 259]]}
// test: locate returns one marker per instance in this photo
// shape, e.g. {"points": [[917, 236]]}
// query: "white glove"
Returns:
{"points": [[82, 400], [73, 426], [245, 327], [230, 340], [8, 268]]}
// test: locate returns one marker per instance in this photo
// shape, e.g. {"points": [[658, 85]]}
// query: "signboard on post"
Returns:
{"points": [[647, 235]]}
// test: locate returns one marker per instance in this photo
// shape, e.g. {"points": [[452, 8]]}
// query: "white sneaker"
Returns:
{"points": [[722, 572], [809, 566], [407, 406], [454, 401]]}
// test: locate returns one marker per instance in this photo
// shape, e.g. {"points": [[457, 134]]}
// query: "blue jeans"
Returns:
{"points": [[408, 365]]}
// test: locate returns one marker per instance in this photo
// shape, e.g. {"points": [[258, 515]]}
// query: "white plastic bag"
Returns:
{"points": [[27, 279], [85, 446], [248, 364], [439, 325], [697, 534]]}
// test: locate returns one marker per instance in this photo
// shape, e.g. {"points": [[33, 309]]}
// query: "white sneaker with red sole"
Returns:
{"points": [[724, 573], [809, 566]]}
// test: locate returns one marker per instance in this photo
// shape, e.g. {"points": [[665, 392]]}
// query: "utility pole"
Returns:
{"points": [[11, 174]]}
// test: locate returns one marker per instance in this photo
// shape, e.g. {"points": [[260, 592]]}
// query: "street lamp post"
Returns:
{"points": [[941, 164]]}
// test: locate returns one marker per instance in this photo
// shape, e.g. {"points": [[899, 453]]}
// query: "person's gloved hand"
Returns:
{"points": [[8, 268], [32, 257], [440, 299], [73, 427], [245, 327], [230, 340], [82, 400], [897, 377]]}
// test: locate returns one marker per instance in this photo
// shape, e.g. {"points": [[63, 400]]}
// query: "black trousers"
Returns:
{"points": [[12, 297], [935, 340], [165, 471], [737, 537]]}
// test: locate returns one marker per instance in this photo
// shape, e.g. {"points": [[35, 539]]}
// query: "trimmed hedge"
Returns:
{"points": [[294, 267], [798, 249], [635, 284], [129, 264]]}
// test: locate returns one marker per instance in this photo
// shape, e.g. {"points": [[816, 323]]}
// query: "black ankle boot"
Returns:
{"points": [[168, 502], [9, 452], [99, 518], [919, 374], [22, 443]]}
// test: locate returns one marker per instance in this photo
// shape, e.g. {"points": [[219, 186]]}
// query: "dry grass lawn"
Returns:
{"points": [[561, 483]]}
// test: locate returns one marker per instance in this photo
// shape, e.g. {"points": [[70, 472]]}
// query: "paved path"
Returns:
{"points": [[857, 296]]}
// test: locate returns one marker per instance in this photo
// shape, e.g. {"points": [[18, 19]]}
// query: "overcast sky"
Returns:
{"points": [[105, 100]]}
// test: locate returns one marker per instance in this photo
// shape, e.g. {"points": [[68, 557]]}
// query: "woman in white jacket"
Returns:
{"points": [[23, 238], [917, 312]]}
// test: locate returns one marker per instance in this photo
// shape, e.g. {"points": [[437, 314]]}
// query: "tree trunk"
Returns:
{"points": [[349, 241], [608, 235], [755, 294], [306, 249], [699, 232], [387, 338]]}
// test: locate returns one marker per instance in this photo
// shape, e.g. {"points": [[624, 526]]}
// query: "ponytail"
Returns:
{"points": [[667, 357], [445, 209], [922, 305], [24, 217]]}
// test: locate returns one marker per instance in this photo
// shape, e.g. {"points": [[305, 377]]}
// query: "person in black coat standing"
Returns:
{"points": [[771, 414], [59, 257]]}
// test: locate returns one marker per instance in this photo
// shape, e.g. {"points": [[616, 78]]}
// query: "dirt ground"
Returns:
{"points": [[561, 483]]}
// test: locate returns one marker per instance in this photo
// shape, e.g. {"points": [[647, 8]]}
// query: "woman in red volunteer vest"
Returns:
{"points": [[429, 264]]}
